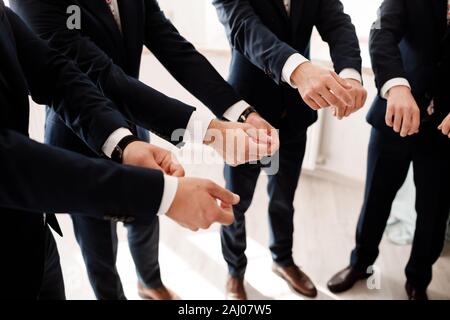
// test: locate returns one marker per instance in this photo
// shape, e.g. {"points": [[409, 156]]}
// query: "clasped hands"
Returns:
{"points": [[199, 203], [321, 88]]}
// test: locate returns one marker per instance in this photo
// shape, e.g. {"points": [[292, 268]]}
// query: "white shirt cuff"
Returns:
{"points": [[114, 139], [198, 126], [350, 73], [169, 192], [234, 112], [393, 83], [290, 65]]}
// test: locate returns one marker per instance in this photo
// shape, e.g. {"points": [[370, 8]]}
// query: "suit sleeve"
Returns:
{"points": [[385, 37], [185, 63], [138, 102], [250, 37], [41, 178], [336, 28]]}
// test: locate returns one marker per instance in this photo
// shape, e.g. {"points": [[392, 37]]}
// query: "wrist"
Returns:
{"points": [[246, 114], [122, 149], [300, 72], [400, 89]]}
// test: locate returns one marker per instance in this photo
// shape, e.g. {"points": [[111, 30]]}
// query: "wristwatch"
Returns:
{"points": [[117, 154], [244, 115]]}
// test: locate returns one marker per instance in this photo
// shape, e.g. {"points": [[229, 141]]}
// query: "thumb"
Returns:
{"points": [[151, 163], [341, 81], [224, 195], [224, 216]]}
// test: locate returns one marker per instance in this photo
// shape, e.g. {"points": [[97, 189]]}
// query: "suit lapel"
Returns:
{"points": [[132, 25], [279, 5], [296, 14], [100, 9]]}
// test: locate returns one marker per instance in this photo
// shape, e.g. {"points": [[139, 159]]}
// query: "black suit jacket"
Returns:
{"points": [[263, 37], [411, 40], [35, 178], [113, 60]]}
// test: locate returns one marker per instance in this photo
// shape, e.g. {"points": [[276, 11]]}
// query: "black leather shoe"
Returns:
{"points": [[345, 279], [415, 294]]}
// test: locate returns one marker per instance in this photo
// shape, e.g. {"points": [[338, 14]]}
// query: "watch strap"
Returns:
{"points": [[117, 154], [244, 115]]}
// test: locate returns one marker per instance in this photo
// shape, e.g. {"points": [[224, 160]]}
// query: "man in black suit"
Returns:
{"points": [[37, 178], [108, 48], [270, 43], [409, 46]]}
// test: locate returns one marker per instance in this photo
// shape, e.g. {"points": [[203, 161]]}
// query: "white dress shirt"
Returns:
{"points": [[195, 130], [297, 59]]}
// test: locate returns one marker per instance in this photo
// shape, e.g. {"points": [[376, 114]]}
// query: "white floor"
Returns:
{"points": [[192, 264]]}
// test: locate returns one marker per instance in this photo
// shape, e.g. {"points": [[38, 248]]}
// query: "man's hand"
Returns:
{"points": [[267, 131], [402, 112], [196, 204], [445, 126], [142, 154], [359, 96], [237, 143], [322, 88]]}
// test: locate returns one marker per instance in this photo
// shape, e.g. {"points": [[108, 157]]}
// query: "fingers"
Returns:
{"points": [[406, 124], [362, 100], [275, 146], [258, 135], [398, 116], [331, 99], [389, 118], [445, 128], [341, 81], [407, 121], [340, 112], [311, 103], [415, 122], [169, 163], [317, 98], [339, 90], [177, 170], [222, 194], [224, 216]]}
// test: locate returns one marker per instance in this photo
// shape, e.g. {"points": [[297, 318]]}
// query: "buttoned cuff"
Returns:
{"points": [[350, 73], [393, 83], [114, 139], [292, 63], [197, 126], [234, 112], [169, 192]]}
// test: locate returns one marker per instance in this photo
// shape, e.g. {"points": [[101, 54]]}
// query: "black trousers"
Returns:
{"points": [[52, 287], [281, 189], [389, 159], [98, 242]]}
